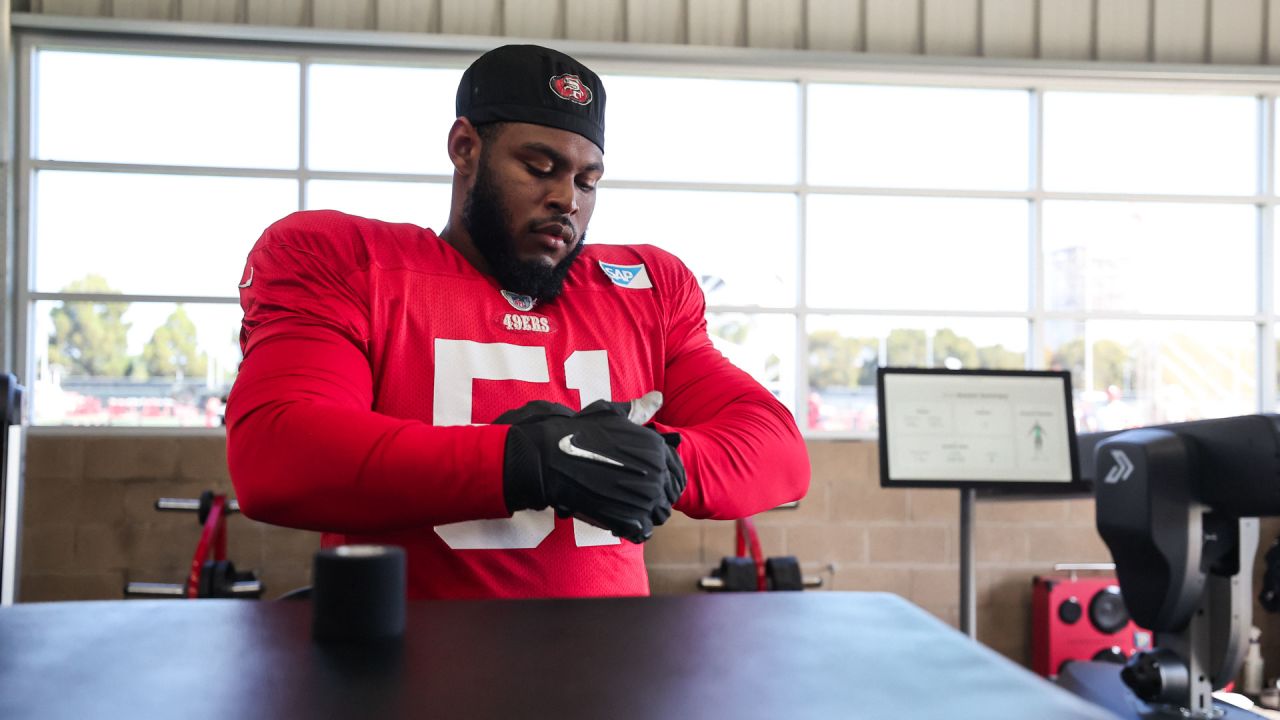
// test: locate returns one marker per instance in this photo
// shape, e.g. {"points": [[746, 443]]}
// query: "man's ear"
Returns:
{"points": [[464, 147]]}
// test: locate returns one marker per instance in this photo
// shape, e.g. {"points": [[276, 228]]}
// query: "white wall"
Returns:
{"points": [[1182, 31]]}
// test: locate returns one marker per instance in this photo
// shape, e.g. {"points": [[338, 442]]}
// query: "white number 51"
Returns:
{"points": [[458, 363]]}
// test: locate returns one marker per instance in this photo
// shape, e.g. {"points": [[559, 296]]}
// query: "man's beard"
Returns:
{"points": [[487, 221]]}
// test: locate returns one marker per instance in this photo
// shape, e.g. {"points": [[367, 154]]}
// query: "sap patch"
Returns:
{"points": [[632, 277]]}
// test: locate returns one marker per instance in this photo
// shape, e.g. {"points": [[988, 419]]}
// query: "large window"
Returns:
{"points": [[150, 177], [835, 226]]}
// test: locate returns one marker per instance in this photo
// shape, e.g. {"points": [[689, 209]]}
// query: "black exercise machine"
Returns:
{"points": [[1177, 505]]}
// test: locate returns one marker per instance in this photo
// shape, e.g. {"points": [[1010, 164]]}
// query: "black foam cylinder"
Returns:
{"points": [[358, 593]]}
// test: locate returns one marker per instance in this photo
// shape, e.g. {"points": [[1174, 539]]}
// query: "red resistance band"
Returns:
{"points": [[746, 532], [212, 537]]}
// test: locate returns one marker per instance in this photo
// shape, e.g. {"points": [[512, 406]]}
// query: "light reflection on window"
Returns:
{"points": [[910, 137], [700, 130], [740, 246], [1130, 373], [844, 353], [917, 253], [152, 234], [152, 109], [380, 118], [1150, 257], [1136, 143], [423, 204]]}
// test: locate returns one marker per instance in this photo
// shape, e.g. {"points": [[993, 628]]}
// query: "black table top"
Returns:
{"points": [[749, 655]]}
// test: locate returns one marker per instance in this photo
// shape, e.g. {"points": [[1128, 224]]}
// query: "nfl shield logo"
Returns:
{"points": [[524, 303]]}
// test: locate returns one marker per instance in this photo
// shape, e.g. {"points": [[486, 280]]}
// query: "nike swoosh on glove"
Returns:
{"points": [[597, 465]]}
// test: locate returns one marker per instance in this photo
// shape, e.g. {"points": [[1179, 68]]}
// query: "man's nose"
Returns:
{"points": [[563, 197]]}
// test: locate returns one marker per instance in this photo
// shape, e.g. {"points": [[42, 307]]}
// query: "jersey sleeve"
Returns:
{"points": [[740, 446], [304, 447]]}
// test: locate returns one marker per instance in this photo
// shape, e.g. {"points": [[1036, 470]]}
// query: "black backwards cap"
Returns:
{"points": [[533, 84]]}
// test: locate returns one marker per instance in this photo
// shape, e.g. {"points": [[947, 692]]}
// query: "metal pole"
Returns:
{"points": [[968, 595]]}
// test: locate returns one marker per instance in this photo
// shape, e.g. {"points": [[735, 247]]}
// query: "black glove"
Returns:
{"points": [[596, 465]]}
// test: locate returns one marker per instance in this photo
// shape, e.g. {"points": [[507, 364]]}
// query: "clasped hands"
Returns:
{"points": [[600, 465]]}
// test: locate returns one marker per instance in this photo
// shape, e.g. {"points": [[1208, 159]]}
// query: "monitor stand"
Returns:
{"points": [[968, 592]]}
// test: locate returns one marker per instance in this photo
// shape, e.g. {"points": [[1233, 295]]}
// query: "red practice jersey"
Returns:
{"points": [[375, 354]]}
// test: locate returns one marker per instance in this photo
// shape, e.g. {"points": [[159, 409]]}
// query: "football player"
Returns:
{"points": [[514, 407]]}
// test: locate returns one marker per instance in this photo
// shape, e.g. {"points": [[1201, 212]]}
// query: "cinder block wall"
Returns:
{"points": [[89, 523], [89, 527]]}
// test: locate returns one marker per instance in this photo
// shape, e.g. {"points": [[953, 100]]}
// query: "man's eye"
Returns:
{"points": [[537, 171], [587, 187]]}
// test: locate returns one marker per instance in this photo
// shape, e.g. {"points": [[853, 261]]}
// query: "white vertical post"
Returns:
{"points": [[11, 514]]}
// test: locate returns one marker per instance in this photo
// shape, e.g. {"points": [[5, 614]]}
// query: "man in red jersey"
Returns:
{"points": [[422, 390]]}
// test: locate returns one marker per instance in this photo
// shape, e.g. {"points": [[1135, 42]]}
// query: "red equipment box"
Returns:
{"points": [[1080, 618]]}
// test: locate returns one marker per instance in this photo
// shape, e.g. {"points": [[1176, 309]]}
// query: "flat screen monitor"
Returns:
{"points": [[981, 429]]}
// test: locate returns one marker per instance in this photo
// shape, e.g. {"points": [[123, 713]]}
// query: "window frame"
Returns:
{"points": [[314, 46]]}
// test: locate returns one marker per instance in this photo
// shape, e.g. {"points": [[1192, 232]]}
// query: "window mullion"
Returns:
{"points": [[1266, 275], [1035, 339]]}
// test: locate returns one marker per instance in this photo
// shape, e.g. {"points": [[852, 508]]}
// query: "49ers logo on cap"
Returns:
{"points": [[571, 88]]}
